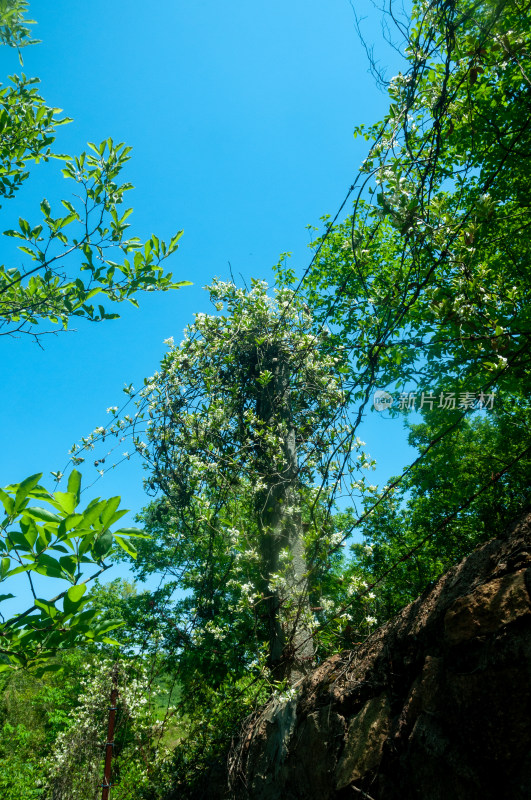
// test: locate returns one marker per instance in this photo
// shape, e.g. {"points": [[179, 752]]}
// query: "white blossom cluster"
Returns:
{"points": [[74, 766]]}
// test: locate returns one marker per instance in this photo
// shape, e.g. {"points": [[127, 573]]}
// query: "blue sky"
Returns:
{"points": [[240, 116]]}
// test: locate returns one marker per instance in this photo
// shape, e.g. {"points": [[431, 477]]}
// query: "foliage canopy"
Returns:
{"points": [[82, 250]]}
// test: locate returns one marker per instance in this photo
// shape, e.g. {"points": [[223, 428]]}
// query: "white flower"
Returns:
{"points": [[112, 410], [169, 341], [371, 620]]}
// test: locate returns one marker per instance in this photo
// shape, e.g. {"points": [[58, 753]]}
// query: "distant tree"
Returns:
{"points": [[421, 510], [82, 252], [52, 728]]}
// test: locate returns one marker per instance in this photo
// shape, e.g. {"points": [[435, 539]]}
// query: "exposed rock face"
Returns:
{"points": [[436, 705]]}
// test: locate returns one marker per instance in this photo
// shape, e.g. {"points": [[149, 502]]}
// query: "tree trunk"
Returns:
{"points": [[280, 521]]}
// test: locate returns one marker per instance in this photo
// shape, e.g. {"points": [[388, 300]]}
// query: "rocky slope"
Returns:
{"points": [[436, 705]]}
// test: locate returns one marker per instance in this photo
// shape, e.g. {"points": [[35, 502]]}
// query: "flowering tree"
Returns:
{"points": [[73, 769], [245, 415], [247, 438]]}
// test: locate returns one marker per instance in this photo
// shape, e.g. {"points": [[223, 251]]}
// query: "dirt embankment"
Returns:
{"points": [[435, 705]]}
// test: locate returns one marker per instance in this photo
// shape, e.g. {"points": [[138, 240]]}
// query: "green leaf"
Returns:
{"points": [[24, 226], [133, 532], [46, 565], [17, 570], [92, 512], [68, 523], [25, 488], [69, 563], [67, 501], [74, 484], [75, 593], [13, 234], [45, 537], [73, 599], [27, 250], [116, 516], [8, 502], [174, 240], [108, 512], [48, 608], [41, 513], [127, 546], [103, 544], [18, 539], [31, 534], [105, 625], [40, 671]]}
